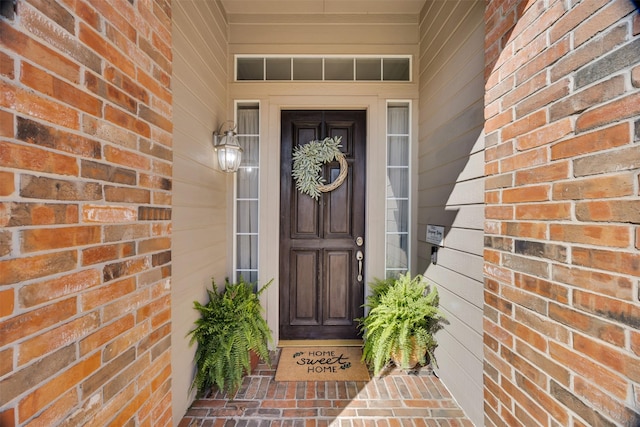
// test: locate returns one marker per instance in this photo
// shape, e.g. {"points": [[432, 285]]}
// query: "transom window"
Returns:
{"points": [[323, 68]]}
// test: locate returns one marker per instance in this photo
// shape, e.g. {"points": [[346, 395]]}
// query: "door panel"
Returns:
{"points": [[306, 211], [320, 295], [305, 287], [338, 279]]}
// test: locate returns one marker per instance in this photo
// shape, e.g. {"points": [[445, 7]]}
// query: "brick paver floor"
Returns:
{"points": [[398, 398]]}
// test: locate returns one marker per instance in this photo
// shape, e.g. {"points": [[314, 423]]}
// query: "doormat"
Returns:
{"points": [[321, 364]]}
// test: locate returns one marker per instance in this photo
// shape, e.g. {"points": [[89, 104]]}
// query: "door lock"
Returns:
{"points": [[359, 257]]}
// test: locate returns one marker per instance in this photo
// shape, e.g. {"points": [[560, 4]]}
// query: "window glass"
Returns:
{"points": [[398, 120], [278, 68], [307, 68], [247, 217], [395, 69], [247, 183], [250, 69], [247, 252], [397, 183], [368, 69], [398, 150], [397, 256], [338, 69], [398, 216], [250, 150]]}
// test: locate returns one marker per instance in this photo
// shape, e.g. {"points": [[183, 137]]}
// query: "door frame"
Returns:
{"points": [[270, 116]]}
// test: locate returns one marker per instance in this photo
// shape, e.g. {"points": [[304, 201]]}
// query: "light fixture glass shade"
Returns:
{"points": [[228, 150]]}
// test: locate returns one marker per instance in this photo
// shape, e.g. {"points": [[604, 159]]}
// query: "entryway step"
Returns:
{"points": [[319, 343]]}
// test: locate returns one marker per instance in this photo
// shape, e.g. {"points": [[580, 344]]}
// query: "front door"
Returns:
{"points": [[322, 242]]}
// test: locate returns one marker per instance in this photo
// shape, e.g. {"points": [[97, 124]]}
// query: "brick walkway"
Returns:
{"points": [[397, 399]]}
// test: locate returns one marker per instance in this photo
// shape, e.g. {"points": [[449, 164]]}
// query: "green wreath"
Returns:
{"points": [[308, 160]]}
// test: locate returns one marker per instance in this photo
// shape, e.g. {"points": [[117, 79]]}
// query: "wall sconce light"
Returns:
{"points": [[227, 147]]}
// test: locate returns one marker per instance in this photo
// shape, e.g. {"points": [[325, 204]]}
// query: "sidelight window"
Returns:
{"points": [[397, 194], [247, 192]]}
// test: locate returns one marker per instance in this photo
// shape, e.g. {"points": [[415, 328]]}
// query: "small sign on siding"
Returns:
{"points": [[435, 234]]}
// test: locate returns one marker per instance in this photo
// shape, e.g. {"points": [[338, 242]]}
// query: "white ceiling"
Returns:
{"points": [[279, 7]]}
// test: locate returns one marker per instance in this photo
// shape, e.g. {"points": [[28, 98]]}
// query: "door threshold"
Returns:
{"points": [[319, 343]]}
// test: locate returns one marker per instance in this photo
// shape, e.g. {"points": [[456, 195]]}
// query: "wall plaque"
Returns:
{"points": [[435, 234]]}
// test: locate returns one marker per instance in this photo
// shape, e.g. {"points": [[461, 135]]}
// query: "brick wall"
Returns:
{"points": [[85, 209], [562, 317]]}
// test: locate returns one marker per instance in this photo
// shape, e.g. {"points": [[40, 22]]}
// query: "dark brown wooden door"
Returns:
{"points": [[320, 294]]}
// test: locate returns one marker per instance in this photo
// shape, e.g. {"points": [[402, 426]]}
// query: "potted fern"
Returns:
{"points": [[230, 328], [401, 323]]}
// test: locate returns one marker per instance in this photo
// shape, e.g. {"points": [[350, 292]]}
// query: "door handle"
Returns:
{"points": [[359, 257]]}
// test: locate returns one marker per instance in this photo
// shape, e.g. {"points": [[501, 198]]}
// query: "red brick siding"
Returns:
{"points": [[85, 211], [563, 213]]}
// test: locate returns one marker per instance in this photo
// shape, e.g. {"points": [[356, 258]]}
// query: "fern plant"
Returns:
{"points": [[402, 321], [230, 326]]}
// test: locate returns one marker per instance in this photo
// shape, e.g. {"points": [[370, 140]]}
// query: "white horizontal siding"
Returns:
{"points": [[463, 375], [470, 167], [200, 223], [470, 217], [451, 186], [463, 286], [326, 33], [454, 193]]}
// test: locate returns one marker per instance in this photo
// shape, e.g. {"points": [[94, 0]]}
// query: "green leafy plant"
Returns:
{"points": [[401, 323], [230, 326], [307, 164]]}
